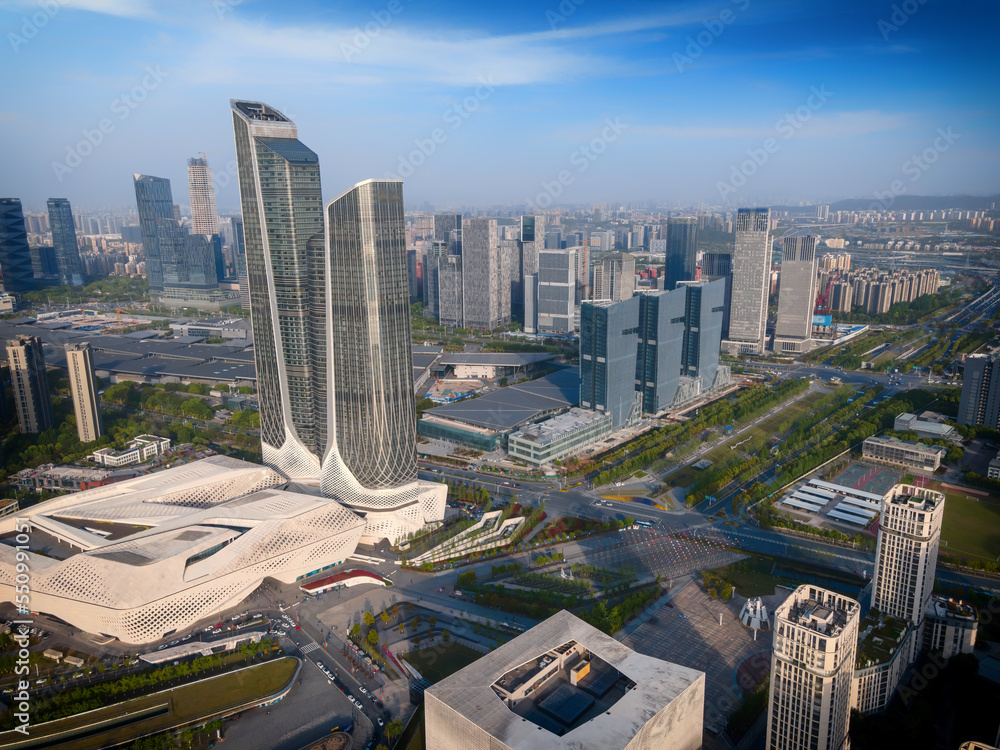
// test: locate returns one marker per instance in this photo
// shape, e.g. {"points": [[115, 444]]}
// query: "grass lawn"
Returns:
{"points": [[971, 527], [688, 475], [183, 704], [437, 662], [750, 577], [753, 577]]}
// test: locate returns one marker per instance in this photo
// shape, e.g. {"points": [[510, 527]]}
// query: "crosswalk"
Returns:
{"points": [[310, 647]]}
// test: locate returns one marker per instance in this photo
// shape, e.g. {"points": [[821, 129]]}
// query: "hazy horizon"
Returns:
{"points": [[737, 102]]}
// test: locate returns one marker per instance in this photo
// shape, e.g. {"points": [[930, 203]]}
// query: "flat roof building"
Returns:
{"points": [[906, 422], [896, 452], [561, 685], [544, 442], [82, 385], [812, 666]]}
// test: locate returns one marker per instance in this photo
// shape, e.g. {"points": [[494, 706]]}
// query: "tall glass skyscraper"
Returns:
{"points": [[282, 210], [609, 338], [64, 240], [204, 219], [16, 273], [682, 250], [751, 274], [331, 322], [796, 295], [154, 202]]}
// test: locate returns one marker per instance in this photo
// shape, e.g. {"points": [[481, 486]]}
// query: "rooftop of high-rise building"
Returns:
{"points": [[916, 498], [818, 610], [879, 637], [259, 111]]}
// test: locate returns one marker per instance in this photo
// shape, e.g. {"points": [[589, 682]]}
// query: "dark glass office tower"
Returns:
{"points": [[448, 229], [375, 426], [682, 250], [155, 203], [703, 315], [608, 346], [661, 336], [16, 274], [282, 203], [720, 266], [64, 240]]}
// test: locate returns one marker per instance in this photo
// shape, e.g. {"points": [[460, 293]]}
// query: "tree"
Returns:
{"points": [[432, 620], [355, 630], [373, 637], [369, 618], [393, 729], [385, 617], [445, 634]]}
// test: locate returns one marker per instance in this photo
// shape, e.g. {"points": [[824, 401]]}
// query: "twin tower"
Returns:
{"points": [[329, 305]]}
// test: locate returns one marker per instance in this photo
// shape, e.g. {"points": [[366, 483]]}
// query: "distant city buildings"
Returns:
{"points": [[681, 259], [83, 387], [614, 278], [796, 295], [812, 666], [30, 384], [751, 268], [554, 300], [16, 273], [201, 189], [64, 241]]}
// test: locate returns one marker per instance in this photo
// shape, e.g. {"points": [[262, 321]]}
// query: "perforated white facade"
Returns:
{"points": [[140, 559]]}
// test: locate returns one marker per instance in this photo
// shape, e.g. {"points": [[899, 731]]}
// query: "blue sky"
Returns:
{"points": [[731, 102]]}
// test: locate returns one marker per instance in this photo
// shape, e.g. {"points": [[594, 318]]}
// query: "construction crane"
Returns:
{"points": [[120, 311]]}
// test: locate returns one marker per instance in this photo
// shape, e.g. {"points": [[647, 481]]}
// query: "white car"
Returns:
{"points": [[362, 689], [380, 722]]}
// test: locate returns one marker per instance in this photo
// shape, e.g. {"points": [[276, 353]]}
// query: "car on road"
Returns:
{"points": [[161, 647], [380, 722], [187, 637], [362, 689]]}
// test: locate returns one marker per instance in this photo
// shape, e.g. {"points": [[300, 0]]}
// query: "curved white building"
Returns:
{"points": [[146, 557]]}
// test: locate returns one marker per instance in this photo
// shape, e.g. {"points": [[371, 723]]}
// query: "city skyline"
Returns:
{"points": [[881, 103]]}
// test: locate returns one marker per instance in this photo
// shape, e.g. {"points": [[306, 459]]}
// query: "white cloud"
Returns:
{"points": [[120, 8], [819, 125]]}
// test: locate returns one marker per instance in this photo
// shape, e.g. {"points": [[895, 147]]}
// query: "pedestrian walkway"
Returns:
{"points": [[309, 647]]}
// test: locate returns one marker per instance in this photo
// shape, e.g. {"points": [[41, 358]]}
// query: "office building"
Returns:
{"points": [[905, 453], [155, 204], [661, 343], [751, 268], [704, 312], [44, 266], [532, 242], [485, 286], [812, 668], [451, 288], [530, 303], [413, 274], [823, 212], [332, 342], [564, 684], [189, 542], [980, 399], [554, 293], [201, 188], [582, 272], [796, 295], [30, 384], [448, 229], [719, 266], [614, 278], [681, 259], [64, 241], [16, 273], [609, 338], [83, 387], [906, 553]]}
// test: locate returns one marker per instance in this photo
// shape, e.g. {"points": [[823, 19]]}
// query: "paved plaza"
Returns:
{"points": [[689, 634]]}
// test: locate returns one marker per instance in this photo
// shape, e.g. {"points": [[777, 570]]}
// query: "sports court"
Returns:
{"points": [[875, 479]]}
